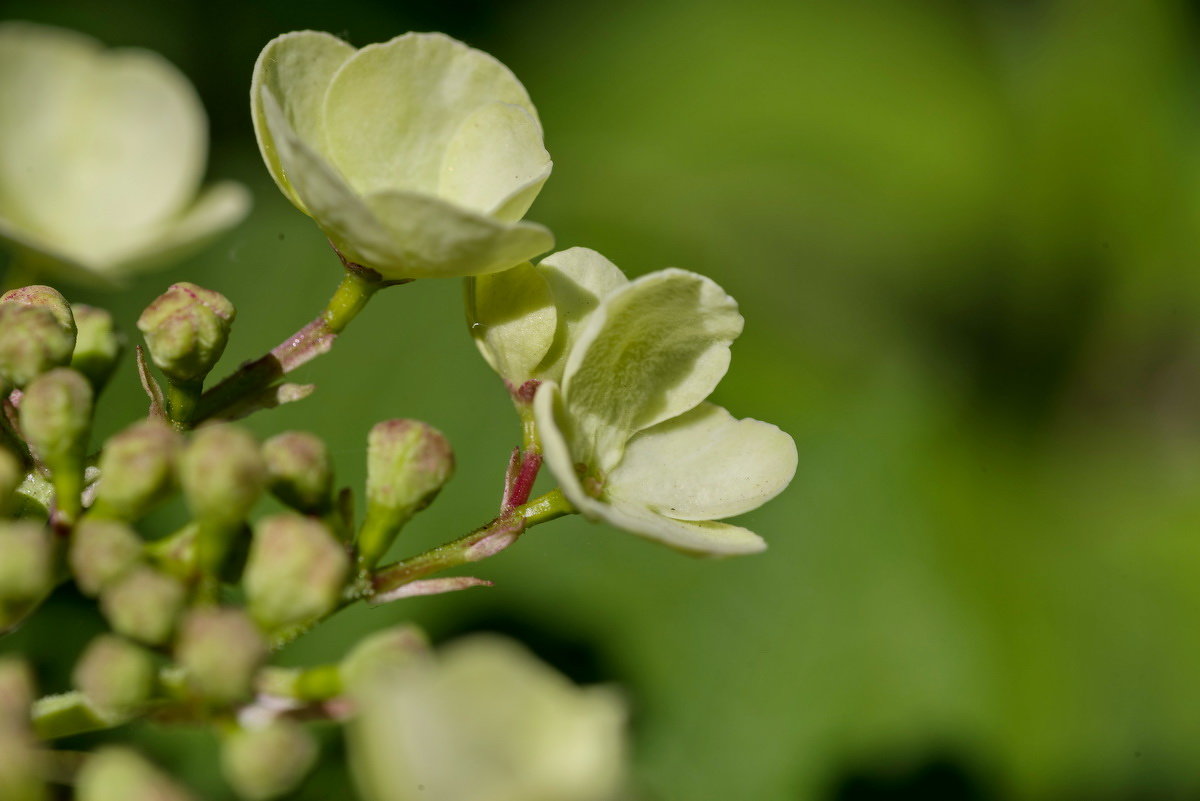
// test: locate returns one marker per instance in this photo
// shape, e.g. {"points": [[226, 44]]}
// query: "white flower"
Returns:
{"points": [[628, 434], [483, 720], [416, 157], [101, 156]]}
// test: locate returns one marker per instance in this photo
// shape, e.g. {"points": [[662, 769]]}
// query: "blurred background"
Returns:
{"points": [[964, 234]]}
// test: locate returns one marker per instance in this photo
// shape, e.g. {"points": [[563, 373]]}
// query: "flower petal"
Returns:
{"points": [[319, 191], [398, 234], [97, 143], [296, 68], [495, 164], [392, 108], [512, 320], [554, 431], [434, 239], [219, 207], [651, 351], [704, 465], [697, 538], [579, 278]]}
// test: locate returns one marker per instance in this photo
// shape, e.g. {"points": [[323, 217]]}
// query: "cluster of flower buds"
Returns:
{"points": [[192, 616]]}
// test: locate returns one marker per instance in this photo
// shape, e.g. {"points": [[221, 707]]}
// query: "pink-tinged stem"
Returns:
{"points": [[481, 543], [357, 287]]}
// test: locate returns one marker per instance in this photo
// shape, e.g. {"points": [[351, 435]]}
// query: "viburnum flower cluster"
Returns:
{"points": [[417, 158]]}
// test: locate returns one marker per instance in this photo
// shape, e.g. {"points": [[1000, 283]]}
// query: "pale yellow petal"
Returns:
{"points": [[97, 144], [578, 278], [650, 351], [393, 108], [429, 238], [495, 163], [296, 68], [512, 318], [703, 465]]}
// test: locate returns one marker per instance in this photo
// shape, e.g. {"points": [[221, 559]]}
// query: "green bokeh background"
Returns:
{"points": [[964, 234]]}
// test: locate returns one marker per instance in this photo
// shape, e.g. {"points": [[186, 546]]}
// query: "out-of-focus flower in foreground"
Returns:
{"points": [[101, 157], [417, 157], [483, 720], [628, 434]]}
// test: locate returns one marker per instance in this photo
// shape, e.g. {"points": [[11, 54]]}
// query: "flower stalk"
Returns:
{"points": [[357, 287]]}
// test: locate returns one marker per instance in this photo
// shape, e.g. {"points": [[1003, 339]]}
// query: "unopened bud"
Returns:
{"points": [[137, 469], [407, 464], [382, 653], [186, 329], [21, 768], [222, 474], [267, 762], [43, 297], [221, 650], [295, 571], [101, 551], [120, 774], [20, 778], [97, 344], [56, 417], [26, 561], [11, 476], [143, 604], [116, 675], [16, 694], [32, 341], [299, 470]]}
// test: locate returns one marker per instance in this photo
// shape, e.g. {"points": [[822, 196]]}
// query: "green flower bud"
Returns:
{"points": [[101, 551], [16, 694], [26, 561], [137, 469], [11, 476], [43, 297], [119, 774], [116, 676], [143, 604], [295, 571], [32, 341], [97, 344], [381, 653], [20, 777], [299, 471], [407, 464], [222, 474], [186, 329], [20, 771], [56, 417], [221, 650], [267, 762]]}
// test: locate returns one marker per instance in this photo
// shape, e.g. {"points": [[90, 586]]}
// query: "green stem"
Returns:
{"points": [[182, 399], [68, 492], [357, 287], [479, 544], [318, 683]]}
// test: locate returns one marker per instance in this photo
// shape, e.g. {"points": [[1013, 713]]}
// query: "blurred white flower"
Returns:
{"points": [[101, 157], [484, 720], [417, 157]]}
